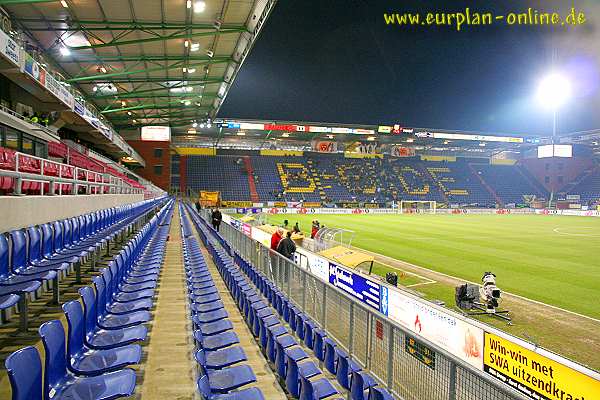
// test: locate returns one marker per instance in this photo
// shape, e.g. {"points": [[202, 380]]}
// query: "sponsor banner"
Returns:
{"points": [[401, 151], [365, 290], [533, 374], [478, 138], [10, 49], [247, 229], [261, 236], [319, 129], [279, 127], [309, 204], [384, 129], [237, 204], [317, 265], [573, 197], [359, 131], [258, 127], [79, 108], [454, 335], [341, 130], [34, 69], [59, 91], [324, 146]]}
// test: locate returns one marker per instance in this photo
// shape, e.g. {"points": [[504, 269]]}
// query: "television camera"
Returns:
{"points": [[481, 300]]}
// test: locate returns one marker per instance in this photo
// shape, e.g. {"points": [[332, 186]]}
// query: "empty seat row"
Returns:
{"points": [[303, 378], [91, 360], [42, 255], [221, 372]]}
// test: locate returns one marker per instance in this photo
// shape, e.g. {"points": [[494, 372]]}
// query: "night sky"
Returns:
{"points": [[337, 61]]}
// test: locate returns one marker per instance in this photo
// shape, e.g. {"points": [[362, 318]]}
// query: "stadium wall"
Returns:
{"points": [[148, 150], [549, 170], [18, 212]]}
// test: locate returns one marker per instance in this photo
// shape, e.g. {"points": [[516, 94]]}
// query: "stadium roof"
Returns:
{"points": [[145, 61]]}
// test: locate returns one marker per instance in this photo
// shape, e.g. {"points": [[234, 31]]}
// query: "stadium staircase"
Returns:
{"points": [[251, 183], [442, 188], [486, 186], [316, 177], [533, 182]]}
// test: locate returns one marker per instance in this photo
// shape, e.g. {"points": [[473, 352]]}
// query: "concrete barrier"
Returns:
{"points": [[22, 211]]}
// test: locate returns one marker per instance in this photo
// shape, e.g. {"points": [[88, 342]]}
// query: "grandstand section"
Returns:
{"points": [[320, 178]]}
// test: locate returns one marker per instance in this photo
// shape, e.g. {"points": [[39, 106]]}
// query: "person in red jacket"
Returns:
{"points": [[276, 238]]}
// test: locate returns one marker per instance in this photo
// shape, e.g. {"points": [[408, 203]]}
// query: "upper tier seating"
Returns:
{"points": [[332, 178]]}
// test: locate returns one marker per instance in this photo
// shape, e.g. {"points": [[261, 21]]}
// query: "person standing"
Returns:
{"points": [[216, 217], [276, 238], [287, 247]]}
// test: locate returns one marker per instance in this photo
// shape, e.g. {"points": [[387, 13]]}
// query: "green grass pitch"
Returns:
{"points": [[551, 259]]}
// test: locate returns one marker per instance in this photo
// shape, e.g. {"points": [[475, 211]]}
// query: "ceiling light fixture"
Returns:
{"points": [[188, 4], [191, 70], [199, 6], [103, 69], [186, 43], [129, 113], [64, 3], [123, 103]]}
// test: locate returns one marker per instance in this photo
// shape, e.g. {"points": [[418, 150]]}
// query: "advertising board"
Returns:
{"points": [[10, 49], [454, 335], [365, 290], [535, 375]]}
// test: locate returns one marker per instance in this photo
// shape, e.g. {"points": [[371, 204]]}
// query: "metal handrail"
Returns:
{"points": [[115, 184]]}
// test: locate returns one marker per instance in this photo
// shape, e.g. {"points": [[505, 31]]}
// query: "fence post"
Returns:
{"points": [[324, 306], [452, 382], [390, 366], [303, 291], [351, 333]]}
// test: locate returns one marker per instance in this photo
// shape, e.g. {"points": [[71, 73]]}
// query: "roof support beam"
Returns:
{"points": [[136, 93], [191, 96], [159, 80], [114, 25], [163, 106], [191, 113], [142, 71], [142, 58], [158, 38]]}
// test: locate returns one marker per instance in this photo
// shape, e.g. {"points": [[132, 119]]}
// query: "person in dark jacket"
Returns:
{"points": [[216, 217], [287, 247]]}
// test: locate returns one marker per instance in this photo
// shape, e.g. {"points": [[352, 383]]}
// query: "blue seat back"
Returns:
{"points": [[35, 244], [306, 389], [74, 314], [74, 222], [4, 269], [89, 308], [342, 371], [357, 388], [330, 355], [378, 393], [47, 240], [19, 250], [58, 235], [204, 387], [291, 377], [100, 293], [24, 369], [55, 361]]}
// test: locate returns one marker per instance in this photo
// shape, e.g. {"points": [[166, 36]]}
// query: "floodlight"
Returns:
{"points": [[199, 6], [64, 51], [554, 90]]}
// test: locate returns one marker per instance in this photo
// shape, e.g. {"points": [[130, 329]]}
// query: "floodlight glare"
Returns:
{"points": [[64, 51], [554, 91]]}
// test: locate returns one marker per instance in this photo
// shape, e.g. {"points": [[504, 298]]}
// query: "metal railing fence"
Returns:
{"points": [[376, 342]]}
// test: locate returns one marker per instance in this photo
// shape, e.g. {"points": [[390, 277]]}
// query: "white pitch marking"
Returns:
{"points": [[557, 230]]}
